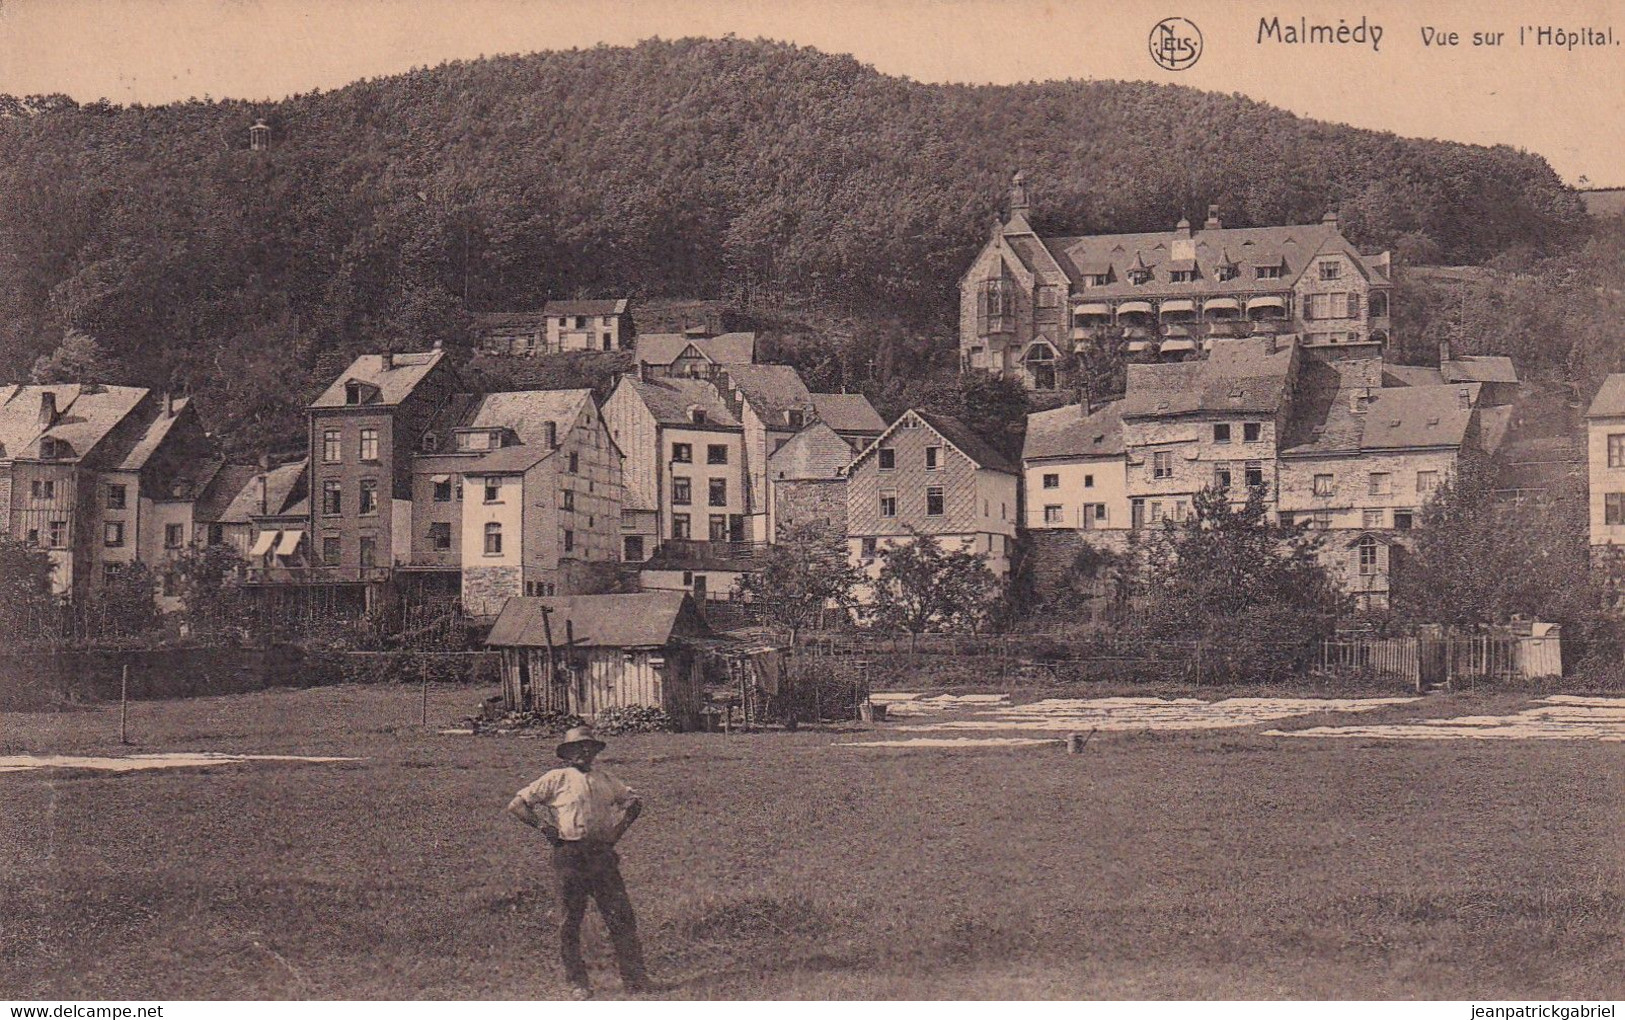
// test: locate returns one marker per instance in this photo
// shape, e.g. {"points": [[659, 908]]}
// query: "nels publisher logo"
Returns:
{"points": [[1176, 43]]}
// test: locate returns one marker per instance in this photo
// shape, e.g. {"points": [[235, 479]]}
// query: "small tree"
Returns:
{"points": [[803, 575], [125, 605], [78, 358], [27, 605], [922, 587], [206, 583]]}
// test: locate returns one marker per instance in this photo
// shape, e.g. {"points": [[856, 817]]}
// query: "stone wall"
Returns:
{"points": [[820, 502], [490, 587]]}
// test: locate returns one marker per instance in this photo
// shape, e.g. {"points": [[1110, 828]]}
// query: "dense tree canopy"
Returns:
{"points": [[385, 212]]}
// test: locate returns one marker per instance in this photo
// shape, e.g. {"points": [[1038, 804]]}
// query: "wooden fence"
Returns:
{"points": [[1433, 660]]}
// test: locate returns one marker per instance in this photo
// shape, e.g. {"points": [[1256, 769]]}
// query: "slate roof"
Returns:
{"points": [[157, 431], [968, 442], [669, 400], [637, 620], [771, 390], [510, 320], [394, 384], [1290, 246], [284, 486], [528, 412], [816, 452], [1237, 377], [848, 412], [84, 416], [1610, 399], [1411, 375], [222, 490], [607, 306], [723, 349], [1067, 432], [1479, 368], [1323, 418], [1416, 417]]}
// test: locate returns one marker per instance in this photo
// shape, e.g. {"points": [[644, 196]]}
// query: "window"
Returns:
{"points": [[1323, 485], [216, 534], [352, 393], [888, 504], [1052, 481], [174, 535], [369, 444], [581, 322], [679, 526], [682, 453], [332, 498], [1269, 272], [1181, 276], [1049, 297], [1221, 475], [1162, 464], [718, 492], [888, 458], [575, 462], [442, 491], [1328, 306], [1156, 512], [1613, 508], [1252, 432], [332, 450], [115, 493], [1052, 513], [933, 501], [1381, 484], [1427, 483], [632, 550], [1321, 519], [933, 457], [440, 536], [45, 489], [868, 546], [59, 534], [569, 540], [1179, 509], [1255, 474], [1368, 556], [369, 497], [493, 539], [368, 554], [113, 534], [697, 415], [493, 490], [1404, 520], [330, 551], [1331, 270], [716, 453], [567, 499], [718, 524], [1099, 513], [1221, 432], [1373, 519], [111, 571], [682, 491]]}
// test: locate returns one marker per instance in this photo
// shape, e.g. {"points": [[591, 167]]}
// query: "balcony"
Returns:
{"points": [[689, 553], [314, 575]]}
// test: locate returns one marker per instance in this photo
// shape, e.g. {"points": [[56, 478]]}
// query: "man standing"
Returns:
{"points": [[583, 812]]}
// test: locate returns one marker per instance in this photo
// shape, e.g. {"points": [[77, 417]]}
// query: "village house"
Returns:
{"points": [[772, 405], [851, 416], [692, 355], [211, 527], [515, 494], [101, 477], [273, 510], [364, 430], [807, 482], [1026, 301], [929, 474], [559, 327], [1605, 462], [1075, 469], [589, 653]]}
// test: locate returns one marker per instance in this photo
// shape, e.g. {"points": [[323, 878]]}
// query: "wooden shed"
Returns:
{"points": [[585, 653]]}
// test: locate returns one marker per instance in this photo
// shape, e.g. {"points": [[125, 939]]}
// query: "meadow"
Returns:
{"points": [[1197, 864]]}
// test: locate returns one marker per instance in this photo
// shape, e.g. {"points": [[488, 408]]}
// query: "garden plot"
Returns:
{"points": [[1069, 715], [1559, 717], [139, 762]]}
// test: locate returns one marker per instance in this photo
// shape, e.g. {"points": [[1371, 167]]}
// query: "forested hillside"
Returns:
{"points": [[386, 211]]}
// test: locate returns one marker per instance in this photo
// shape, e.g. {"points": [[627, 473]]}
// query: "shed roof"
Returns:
{"points": [[636, 620], [1068, 432], [394, 383], [1479, 368], [848, 412]]}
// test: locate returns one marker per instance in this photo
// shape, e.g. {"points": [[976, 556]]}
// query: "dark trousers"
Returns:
{"points": [[586, 869]]}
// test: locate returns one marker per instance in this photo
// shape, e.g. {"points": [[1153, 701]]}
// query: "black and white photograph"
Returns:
{"points": [[517, 501]]}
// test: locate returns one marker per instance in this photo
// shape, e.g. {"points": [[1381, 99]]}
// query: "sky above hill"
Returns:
{"points": [[1560, 102]]}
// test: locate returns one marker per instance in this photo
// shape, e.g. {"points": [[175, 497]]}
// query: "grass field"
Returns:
{"points": [[1223, 864]]}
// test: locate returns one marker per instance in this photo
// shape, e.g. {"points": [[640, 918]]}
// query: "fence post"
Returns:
{"points": [[423, 670], [124, 705]]}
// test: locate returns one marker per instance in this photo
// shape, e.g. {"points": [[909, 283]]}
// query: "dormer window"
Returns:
{"points": [[1139, 277], [1268, 272], [430, 443], [697, 415], [552, 435], [352, 392], [50, 449], [1224, 273], [795, 418], [1096, 279]]}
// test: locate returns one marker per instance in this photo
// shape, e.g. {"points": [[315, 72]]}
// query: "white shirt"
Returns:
{"points": [[581, 805]]}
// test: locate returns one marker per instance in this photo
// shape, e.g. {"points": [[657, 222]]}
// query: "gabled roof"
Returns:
{"points": [[670, 401], [816, 452], [529, 412], [157, 431], [284, 486], [1068, 432], [394, 384], [1290, 246], [1323, 417], [771, 391], [1411, 375], [1417, 417], [955, 433], [638, 620], [608, 306], [724, 349], [222, 490], [848, 412], [1478, 368], [1325, 422], [1237, 377], [84, 416], [1610, 399]]}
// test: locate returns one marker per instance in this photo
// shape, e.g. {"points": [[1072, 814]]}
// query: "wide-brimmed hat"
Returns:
{"points": [[579, 735]]}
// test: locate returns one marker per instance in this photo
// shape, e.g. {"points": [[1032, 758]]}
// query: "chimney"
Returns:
{"points": [[1444, 352], [1183, 227], [1212, 222], [1018, 194], [47, 408], [1330, 218], [437, 345], [169, 404], [388, 359], [1086, 398], [1464, 399], [1359, 397], [264, 497], [643, 371]]}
